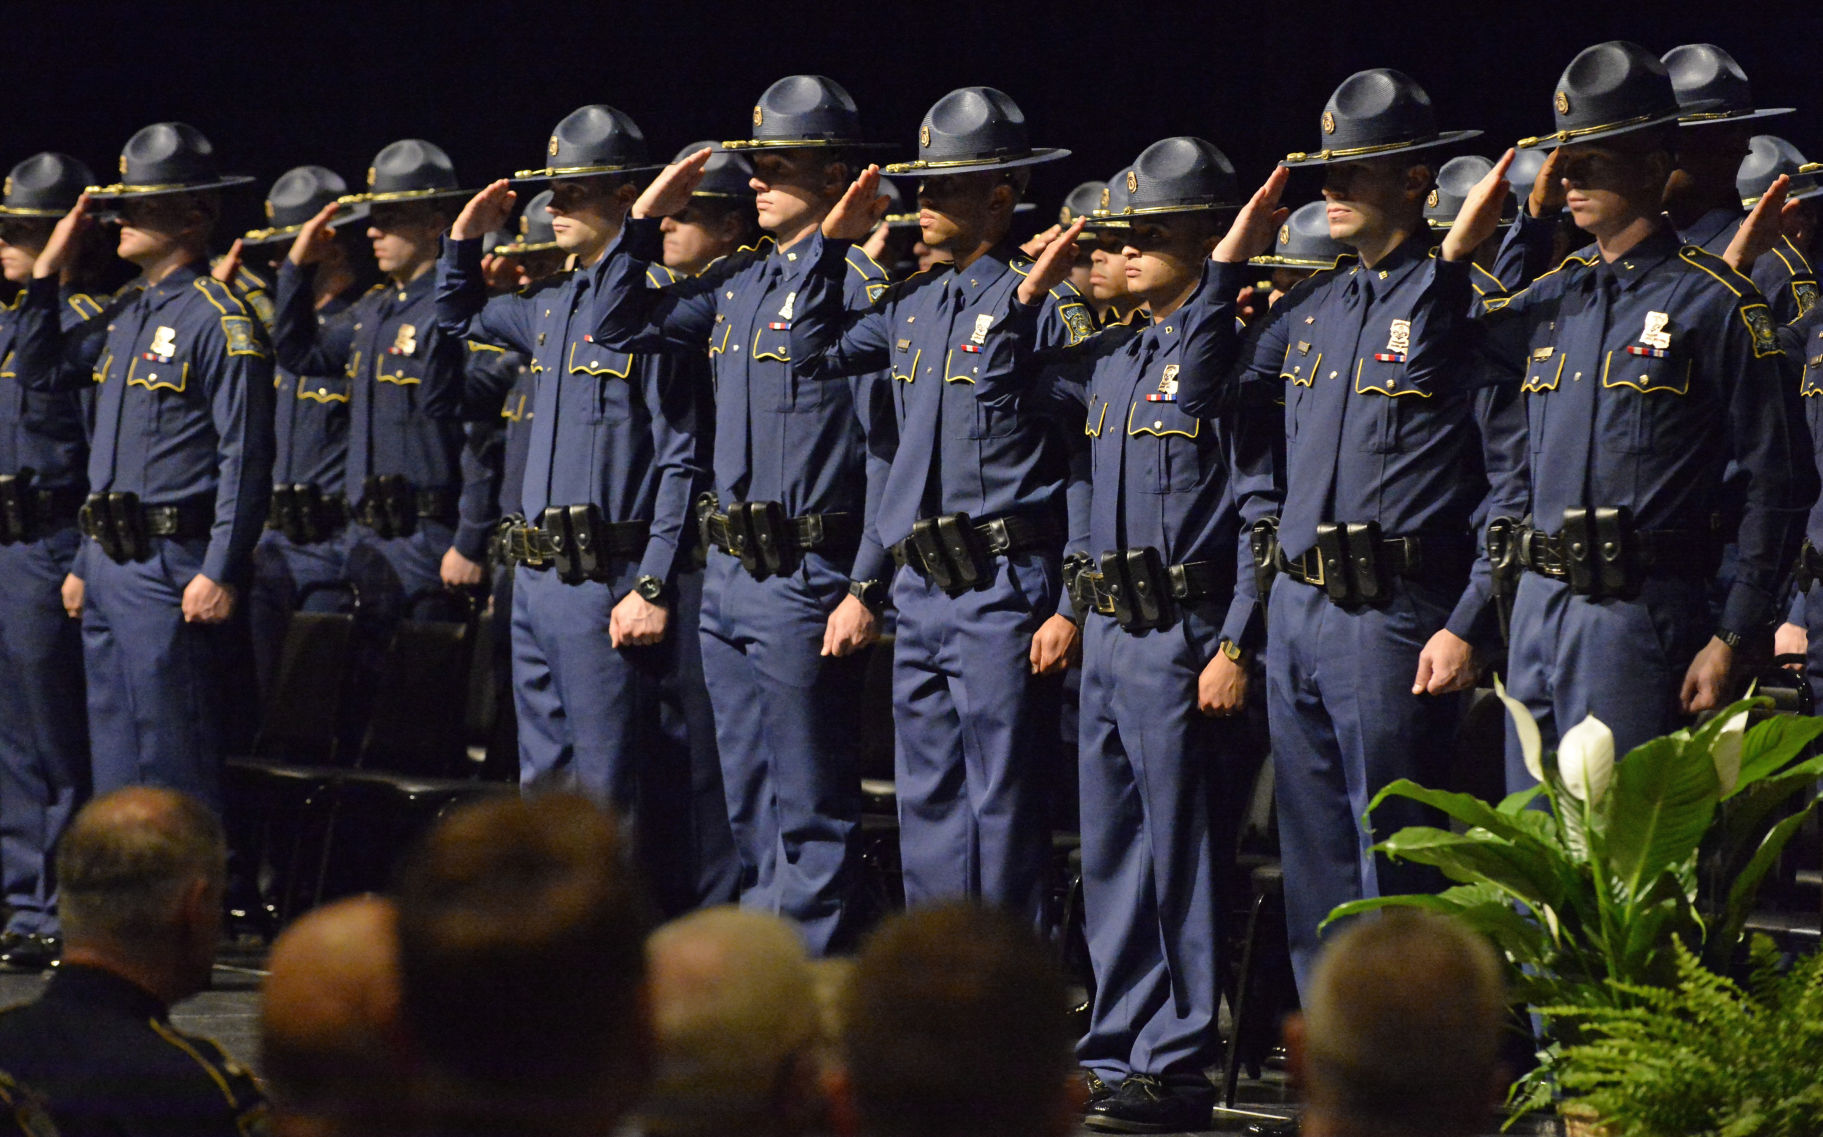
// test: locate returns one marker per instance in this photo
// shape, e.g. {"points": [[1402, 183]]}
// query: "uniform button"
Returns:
{"points": [[730, 295], [1158, 424], [1576, 377], [322, 390], [1332, 374]]}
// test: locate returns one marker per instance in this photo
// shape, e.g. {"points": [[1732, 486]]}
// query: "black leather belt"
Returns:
{"points": [[1600, 554], [1355, 564], [1138, 590], [29, 512], [124, 528], [957, 554], [574, 540], [392, 506], [305, 514], [766, 540]]}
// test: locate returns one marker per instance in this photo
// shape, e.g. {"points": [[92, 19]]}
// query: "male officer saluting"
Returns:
{"points": [[1373, 629], [1179, 475], [401, 479], [797, 469], [719, 217], [974, 499], [610, 470], [180, 468], [1646, 367], [44, 751]]}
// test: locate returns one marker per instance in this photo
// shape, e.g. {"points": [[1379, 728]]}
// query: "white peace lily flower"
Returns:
{"points": [[1531, 744], [1727, 751], [1585, 759]]}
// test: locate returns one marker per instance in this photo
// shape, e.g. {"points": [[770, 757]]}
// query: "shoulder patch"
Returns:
{"points": [[1076, 317], [1758, 318], [1805, 292], [242, 337]]}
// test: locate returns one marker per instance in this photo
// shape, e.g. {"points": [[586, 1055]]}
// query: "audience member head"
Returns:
{"points": [[734, 1014], [141, 872], [329, 1023], [955, 1022], [522, 961], [1399, 1033]]}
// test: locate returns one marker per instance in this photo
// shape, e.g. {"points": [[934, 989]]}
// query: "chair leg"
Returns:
{"points": [[1231, 1066]]}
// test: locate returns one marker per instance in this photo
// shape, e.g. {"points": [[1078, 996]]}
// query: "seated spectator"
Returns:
{"points": [[522, 962], [142, 873], [330, 1046], [734, 1012], [1400, 1033], [955, 1022]]}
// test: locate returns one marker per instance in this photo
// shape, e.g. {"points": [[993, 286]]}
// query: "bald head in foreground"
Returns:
{"points": [[1400, 1031], [329, 1023]]}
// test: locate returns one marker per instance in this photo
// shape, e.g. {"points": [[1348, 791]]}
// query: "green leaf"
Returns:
{"points": [[1518, 803], [1476, 857], [1469, 810], [1746, 886], [1662, 799], [1772, 744]]}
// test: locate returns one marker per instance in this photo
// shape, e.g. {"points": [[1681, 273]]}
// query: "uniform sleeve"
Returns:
{"points": [[1526, 250], [1760, 430], [672, 386], [303, 344], [1254, 434], [1210, 340], [630, 315], [1499, 414], [466, 311], [828, 340], [239, 382], [873, 403], [483, 449], [51, 350]]}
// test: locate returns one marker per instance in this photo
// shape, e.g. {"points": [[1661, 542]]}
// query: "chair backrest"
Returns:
{"points": [[875, 717], [419, 719], [304, 706]]}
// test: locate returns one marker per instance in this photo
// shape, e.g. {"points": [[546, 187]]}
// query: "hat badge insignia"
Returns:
{"points": [[269, 213], [1329, 122], [1433, 199], [1284, 234], [759, 114], [1563, 102], [1132, 182], [1105, 197], [924, 135], [553, 147], [123, 165], [370, 177], [8, 191]]}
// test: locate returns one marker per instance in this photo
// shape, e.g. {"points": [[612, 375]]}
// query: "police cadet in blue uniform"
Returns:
{"points": [[1374, 624], [1303, 247], [612, 466], [180, 467], [1715, 110], [1646, 367], [1179, 477], [302, 544], [402, 477], [44, 749], [973, 505], [719, 218], [795, 577]]}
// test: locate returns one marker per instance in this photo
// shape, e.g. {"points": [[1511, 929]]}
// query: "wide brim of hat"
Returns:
{"points": [[554, 173], [1594, 133], [1271, 261], [921, 167], [348, 215], [121, 190], [392, 197], [1806, 193], [1439, 225], [1126, 216], [910, 220], [516, 249], [804, 144], [1385, 150], [28, 211], [1722, 118]]}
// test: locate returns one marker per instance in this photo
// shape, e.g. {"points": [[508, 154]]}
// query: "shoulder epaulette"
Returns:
{"points": [[1496, 303], [869, 268], [221, 296], [1700, 258], [84, 305], [658, 275]]}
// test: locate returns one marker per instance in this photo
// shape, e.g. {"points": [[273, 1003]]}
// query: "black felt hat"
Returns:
{"points": [[804, 112], [1182, 174], [1610, 89], [1374, 114], [410, 169], [974, 129], [1082, 201], [300, 194], [535, 232], [1768, 156], [726, 174], [166, 158], [1304, 241], [1455, 179], [45, 185], [592, 141], [1711, 87]]}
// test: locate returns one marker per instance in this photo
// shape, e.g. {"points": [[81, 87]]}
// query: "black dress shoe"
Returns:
{"points": [[1096, 1089], [30, 952], [1284, 1127], [1146, 1103]]}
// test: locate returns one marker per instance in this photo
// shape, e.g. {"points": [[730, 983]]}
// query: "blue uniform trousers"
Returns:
{"points": [[1345, 723], [970, 722], [1622, 660], [44, 739], [1160, 786], [786, 724], [388, 570], [281, 568], [155, 692]]}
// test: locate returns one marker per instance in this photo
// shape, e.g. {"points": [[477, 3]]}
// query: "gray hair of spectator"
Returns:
{"points": [[127, 859], [1402, 1026]]}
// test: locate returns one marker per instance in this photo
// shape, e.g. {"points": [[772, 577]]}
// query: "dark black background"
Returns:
{"points": [[274, 85]]}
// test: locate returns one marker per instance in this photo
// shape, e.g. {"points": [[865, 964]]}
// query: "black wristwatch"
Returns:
{"points": [[869, 592], [1732, 639], [650, 589]]}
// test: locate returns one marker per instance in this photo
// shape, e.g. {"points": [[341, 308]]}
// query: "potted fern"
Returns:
{"points": [[1592, 896]]}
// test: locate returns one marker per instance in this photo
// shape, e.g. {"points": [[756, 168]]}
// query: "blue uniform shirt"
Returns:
{"points": [[957, 345], [45, 431], [405, 377], [1643, 379], [608, 428], [813, 447], [311, 423], [184, 406], [1782, 274]]}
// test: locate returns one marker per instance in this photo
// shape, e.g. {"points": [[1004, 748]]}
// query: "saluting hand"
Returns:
{"points": [[65, 238], [314, 237], [1036, 243], [229, 264], [1547, 193], [860, 209], [670, 191], [1480, 215], [485, 212], [1254, 226], [1053, 265], [1763, 227]]}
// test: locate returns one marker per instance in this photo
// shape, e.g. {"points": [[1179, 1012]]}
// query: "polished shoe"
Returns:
{"points": [[1282, 1127], [1094, 1089], [29, 952], [1147, 1103]]}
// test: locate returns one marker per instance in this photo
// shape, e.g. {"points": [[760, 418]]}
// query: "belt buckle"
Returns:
{"points": [[522, 545], [1099, 600]]}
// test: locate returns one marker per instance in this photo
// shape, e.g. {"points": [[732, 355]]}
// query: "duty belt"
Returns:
{"points": [[1809, 568], [392, 507], [1354, 564], [124, 528], [956, 554], [1136, 587], [28, 512], [305, 514], [767, 541], [575, 541], [1599, 553]]}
